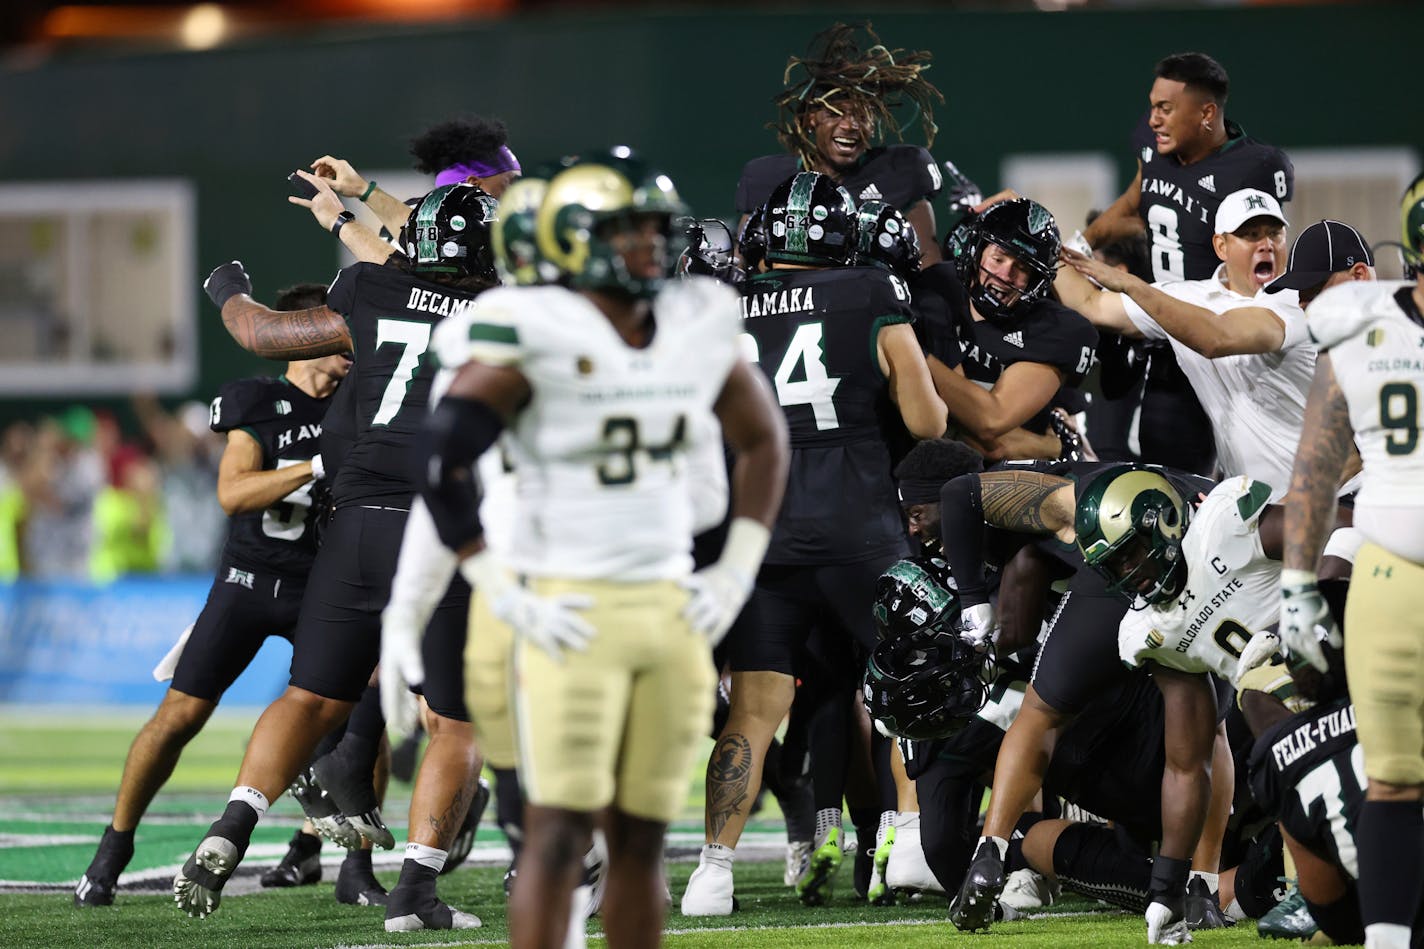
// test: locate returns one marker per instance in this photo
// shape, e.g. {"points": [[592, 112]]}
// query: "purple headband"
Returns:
{"points": [[502, 161]]}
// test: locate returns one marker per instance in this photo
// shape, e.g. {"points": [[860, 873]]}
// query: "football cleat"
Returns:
{"points": [[300, 867], [352, 793], [411, 909], [197, 888], [1026, 890], [814, 887], [464, 840], [879, 893], [595, 874], [907, 868], [94, 892], [322, 811], [973, 907], [1166, 927], [798, 857], [1289, 919], [1204, 908], [356, 885], [96, 887], [709, 891]]}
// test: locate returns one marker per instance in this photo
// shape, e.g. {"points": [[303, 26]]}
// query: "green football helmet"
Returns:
{"points": [[592, 200], [1130, 523], [1411, 222], [516, 248]]}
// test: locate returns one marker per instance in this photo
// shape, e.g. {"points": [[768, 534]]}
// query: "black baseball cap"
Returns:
{"points": [[1325, 248]]}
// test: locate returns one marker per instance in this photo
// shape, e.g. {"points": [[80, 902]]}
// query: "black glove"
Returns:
{"points": [[961, 193], [227, 282], [1072, 444]]}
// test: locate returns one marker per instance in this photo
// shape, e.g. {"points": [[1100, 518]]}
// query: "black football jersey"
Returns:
{"points": [[939, 301], [287, 423], [1179, 202], [899, 175], [391, 315], [1310, 771], [814, 334]]}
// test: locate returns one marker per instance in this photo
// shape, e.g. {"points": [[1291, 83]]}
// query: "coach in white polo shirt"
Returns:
{"points": [[1247, 355]]}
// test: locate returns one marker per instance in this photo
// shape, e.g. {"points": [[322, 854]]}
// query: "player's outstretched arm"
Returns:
{"points": [[391, 211], [1189, 733], [364, 243], [273, 334], [1120, 219], [244, 486]]}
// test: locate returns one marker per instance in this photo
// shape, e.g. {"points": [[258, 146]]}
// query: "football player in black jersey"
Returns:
{"points": [[1019, 345], [833, 113], [384, 313], [828, 337], [264, 485]]}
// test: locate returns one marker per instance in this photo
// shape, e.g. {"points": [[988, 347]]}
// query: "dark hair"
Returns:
{"points": [[1198, 72], [1134, 252], [874, 77], [938, 459], [301, 296], [457, 141]]}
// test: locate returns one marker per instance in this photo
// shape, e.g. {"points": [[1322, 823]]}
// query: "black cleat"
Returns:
{"points": [[322, 811], [356, 884], [197, 888], [411, 909], [96, 887], [354, 795], [1204, 908], [509, 876], [300, 867], [464, 840], [974, 905]]}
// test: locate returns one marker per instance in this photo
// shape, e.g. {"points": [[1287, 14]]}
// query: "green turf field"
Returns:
{"points": [[56, 784]]}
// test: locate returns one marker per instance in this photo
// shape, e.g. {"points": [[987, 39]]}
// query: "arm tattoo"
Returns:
{"points": [[728, 781], [1326, 444], [282, 334], [1023, 501]]}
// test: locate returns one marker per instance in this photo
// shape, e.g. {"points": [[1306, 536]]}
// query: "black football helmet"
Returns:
{"points": [[1027, 231], [914, 594], [926, 685], [751, 242], [448, 233], [885, 239], [709, 251], [810, 220]]}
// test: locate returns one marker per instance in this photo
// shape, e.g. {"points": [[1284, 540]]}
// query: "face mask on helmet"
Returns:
{"points": [[926, 685], [447, 234], [1130, 523], [751, 242], [605, 223], [516, 250], [1411, 222], [1008, 257], [810, 220], [709, 251], [885, 239], [914, 595]]}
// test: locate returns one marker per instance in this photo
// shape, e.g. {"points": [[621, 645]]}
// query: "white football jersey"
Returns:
{"points": [[1256, 402], [1377, 354], [600, 453], [1233, 589]]}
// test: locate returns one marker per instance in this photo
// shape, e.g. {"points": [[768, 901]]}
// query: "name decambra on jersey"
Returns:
{"points": [[1306, 737], [430, 301], [775, 302]]}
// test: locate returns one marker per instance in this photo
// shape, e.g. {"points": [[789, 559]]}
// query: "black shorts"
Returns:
{"points": [[1079, 656], [243, 608], [338, 636], [789, 601]]}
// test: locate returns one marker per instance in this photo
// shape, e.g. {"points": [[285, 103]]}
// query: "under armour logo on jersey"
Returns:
{"points": [[242, 577], [1015, 338], [871, 192], [283, 407], [1209, 183]]}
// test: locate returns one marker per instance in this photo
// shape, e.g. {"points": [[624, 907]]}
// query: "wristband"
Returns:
{"points": [[1298, 578], [342, 219], [370, 188], [318, 468], [746, 544]]}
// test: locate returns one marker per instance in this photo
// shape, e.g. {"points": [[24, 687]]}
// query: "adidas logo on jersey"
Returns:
{"points": [[1209, 183], [1015, 338], [1146, 154], [871, 192], [283, 407]]}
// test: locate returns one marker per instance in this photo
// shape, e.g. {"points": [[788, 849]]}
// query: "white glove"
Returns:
{"points": [[1306, 619], [548, 622], [1262, 646], [402, 666], [1079, 243], [977, 624], [719, 592]]}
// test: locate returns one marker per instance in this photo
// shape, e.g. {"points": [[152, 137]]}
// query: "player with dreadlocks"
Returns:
{"points": [[839, 100]]}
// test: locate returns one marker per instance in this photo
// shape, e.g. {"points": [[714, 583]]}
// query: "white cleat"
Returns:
{"points": [[798, 857], [1027, 890], [907, 868], [1165, 928], [709, 891], [197, 888]]}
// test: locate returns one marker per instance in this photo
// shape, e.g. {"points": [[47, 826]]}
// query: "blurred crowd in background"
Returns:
{"points": [[82, 500]]}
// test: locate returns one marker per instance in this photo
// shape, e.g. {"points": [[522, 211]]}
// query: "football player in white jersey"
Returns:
{"points": [[1365, 397], [596, 391], [1250, 369]]}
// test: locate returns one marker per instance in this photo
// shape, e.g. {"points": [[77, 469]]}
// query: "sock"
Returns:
{"points": [[252, 797], [1000, 844], [718, 855], [1386, 936], [887, 820], [425, 856], [827, 818], [366, 721], [1213, 880], [1390, 838], [360, 859]]}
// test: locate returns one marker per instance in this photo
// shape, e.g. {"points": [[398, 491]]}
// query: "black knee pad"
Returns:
{"points": [[1102, 863], [1258, 886]]}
